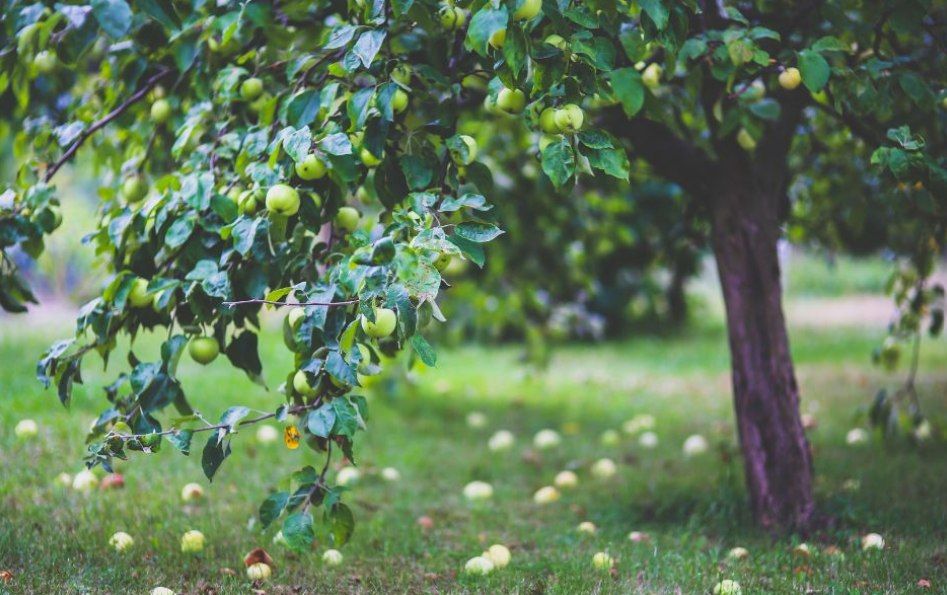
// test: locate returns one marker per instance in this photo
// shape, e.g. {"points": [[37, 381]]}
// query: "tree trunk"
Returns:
{"points": [[777, 459], [677, 297]]}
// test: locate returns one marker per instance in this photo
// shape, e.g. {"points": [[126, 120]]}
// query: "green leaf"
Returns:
{"points": [[340, 37], [180, 230], [829, 44], [320, 421], [477, 232], [272, 507], [215, 451], [243, 352], [767, 109], [298, 143], [657, 11], [341, 524], [303, 108], [181, 440], [368, 44], [629, 89], [114, 16], [814, 69], [485, 22], [346, 418], [917, 89], [613, 162], [297, 530], [558, 160], [232, 416], [424, 350]]}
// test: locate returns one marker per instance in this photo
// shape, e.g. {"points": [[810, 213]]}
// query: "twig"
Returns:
{"points": [[101, 123], [296, 305]]}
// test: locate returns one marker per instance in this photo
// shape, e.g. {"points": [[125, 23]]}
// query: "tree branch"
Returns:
{"points": [[104, 121], [670, 156], [296, 305]]}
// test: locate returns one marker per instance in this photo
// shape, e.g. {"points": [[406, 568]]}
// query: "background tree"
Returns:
{"points": [[240, 143]]}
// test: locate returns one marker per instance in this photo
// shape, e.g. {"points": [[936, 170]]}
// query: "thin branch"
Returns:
{"points": [[104, 121], [295, 305]]}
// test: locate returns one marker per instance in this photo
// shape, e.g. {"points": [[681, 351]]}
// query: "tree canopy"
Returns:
{"points": [[340, 155]]}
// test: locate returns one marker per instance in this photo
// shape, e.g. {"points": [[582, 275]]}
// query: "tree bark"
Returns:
{"points": [[776, 455]]}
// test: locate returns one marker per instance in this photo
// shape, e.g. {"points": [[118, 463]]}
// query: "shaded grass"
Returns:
{"points": [[55, 540]]}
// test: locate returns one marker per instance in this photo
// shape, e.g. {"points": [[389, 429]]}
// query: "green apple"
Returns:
{"points": [[203, 350], [442, 261], [511, 101], [452, 17], [45, 62], [247, 203], [347, 218], [746, 140], [401, 74], [138, 295], [497, 38], [547, 121], [251, 88], [569, 117], [160, 111], [259, 571], [26, 429], [399, 101], [134, 189], [459, 157], [384, 325], [527, 10], [310, 168], [790, 78], [234, 195], [651, 77], [295, 316], [282, 199], [755, 91], [557, 41], [368, 158], [301, 384], [192, 542]]}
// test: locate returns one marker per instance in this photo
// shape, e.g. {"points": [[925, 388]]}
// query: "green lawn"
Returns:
{"points": [[54, 540]]}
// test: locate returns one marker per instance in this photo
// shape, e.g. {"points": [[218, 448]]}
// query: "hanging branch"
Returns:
{"points": [[150, 84]]}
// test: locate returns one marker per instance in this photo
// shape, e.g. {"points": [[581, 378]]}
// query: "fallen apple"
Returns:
{"points": [[648, 440], [604, 468], [390, 474], [478, 490], [259, 571], [192, 542], [498, 554], [85, 481], [695, 445], [545, 439], [566, 479], [332, 557], [873, 541], [26, 429], [728, 587], [192, 492], [121, 541], [267, 434], [602, 561], [587, 527], [479, 566], [501, 440], [546, 495], [476, 419]]}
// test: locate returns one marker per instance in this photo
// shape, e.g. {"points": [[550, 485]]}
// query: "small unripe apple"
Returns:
{"points": [[479, 566], [310, 168], [546, 495], [45, 62], [295, 316], [527, 10], [399, 101], [368, 158], [84, 481], [511, 101], [251, 89], [498, 554], [471, 155], [497, 38], [651, 77], [203, 350], [478, 490], [247, 203], [138, 295], [192, 492], [746, 140], [259, 571], [547, 121], [442, 261], [755, 91], [301, 384], [26, 429], [384, 324], [347, 218], [160, 111], [790, 78], [282, 199], [727, 587], [452, 17], [192, 542], [332, 557], [401, 74], [557, 41], [569, 117], [602, 561], [121, 541], [566, 479], [134, 189]]}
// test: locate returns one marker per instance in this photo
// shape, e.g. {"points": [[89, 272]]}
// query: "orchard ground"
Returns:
{"points": [[54, 539]]}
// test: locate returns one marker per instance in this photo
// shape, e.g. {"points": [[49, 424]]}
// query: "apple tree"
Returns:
{"points": [[323, 157]]}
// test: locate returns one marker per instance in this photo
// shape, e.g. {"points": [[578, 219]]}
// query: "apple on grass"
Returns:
{"points": [[162, 591], [479, 566], [478, 490], [332, 557], [728, 587], [587, 527], [121, 541], [501, 440], [259, 571], [476, 419], [85, 481], [695, 445], [26, 429], [203, 350], [566, 479], [546, 495], [267, 434], [348, 475], [546, 439], [192, 492], [602, 561], [604, 468], [192, 542], [499, 555], [390, 474]]}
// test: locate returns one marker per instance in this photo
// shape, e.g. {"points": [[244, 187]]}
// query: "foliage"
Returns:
{"points": [[212, 123]]}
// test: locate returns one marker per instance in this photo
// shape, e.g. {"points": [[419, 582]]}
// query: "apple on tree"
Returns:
{"points": [[160, 111], [527, 10], [497, 39], [511, 101], [283, 200], [310, 168], [251, 89], [451, 17], [138, 295], [203, 349], [383, 325], [790, 78], [45, 62], [134, 189]]}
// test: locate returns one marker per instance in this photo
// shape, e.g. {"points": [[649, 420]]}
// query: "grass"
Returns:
{"points": [[811, 274], [55, 540]]}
